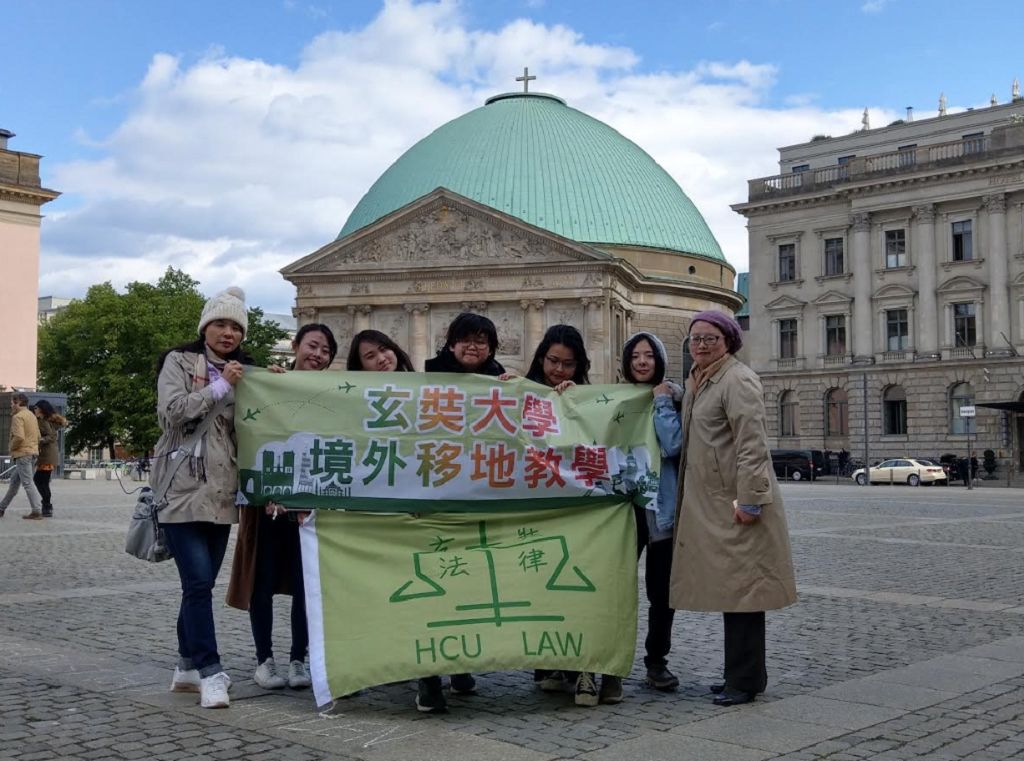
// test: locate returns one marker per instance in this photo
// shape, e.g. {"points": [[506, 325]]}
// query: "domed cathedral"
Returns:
{"points": [[532, 213]]}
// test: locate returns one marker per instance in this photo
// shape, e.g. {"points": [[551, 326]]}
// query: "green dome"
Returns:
{"points": [[531, 156]]}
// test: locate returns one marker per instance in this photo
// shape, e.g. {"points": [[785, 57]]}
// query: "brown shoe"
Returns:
{"points": [[33, 517]]}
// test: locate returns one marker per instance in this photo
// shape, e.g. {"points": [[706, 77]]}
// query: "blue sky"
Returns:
{"points": [[230, 138]]}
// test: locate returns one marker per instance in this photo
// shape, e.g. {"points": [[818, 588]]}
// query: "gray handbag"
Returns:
{"points": [[145, 539]]}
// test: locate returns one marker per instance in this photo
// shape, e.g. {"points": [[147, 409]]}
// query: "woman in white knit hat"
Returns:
{"points": [[200, 507]]}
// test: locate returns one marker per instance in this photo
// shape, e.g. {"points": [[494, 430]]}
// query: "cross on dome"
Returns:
{"points": [[525, 79]]}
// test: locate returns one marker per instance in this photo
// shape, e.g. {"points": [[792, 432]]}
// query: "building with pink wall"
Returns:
{"points": [[21, 197]]}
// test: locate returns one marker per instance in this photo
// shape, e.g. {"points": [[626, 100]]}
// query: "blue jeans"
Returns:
{"points": [[24, 469], [198, 549]]}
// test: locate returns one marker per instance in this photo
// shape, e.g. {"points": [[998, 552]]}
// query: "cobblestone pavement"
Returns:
{"points": [[908, 642]]}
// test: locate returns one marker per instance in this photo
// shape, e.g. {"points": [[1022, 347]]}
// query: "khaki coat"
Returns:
{"points": [[24, 434], [718, 565], [204, 488]]}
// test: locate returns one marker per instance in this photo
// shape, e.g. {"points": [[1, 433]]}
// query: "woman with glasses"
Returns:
{"points": [[268, 559], [644, 361], [732, 546], [560, 362]]}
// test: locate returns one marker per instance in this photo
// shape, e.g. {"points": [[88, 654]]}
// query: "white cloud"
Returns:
{"points": [[230, 168], [874, 6]]}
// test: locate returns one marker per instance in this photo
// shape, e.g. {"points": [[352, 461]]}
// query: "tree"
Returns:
{"points": [[102, 352]]}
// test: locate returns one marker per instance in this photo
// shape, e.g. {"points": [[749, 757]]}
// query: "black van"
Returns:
{"points": [[799, 464]]}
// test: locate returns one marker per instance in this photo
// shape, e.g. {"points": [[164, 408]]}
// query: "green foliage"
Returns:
{"points": [[102, 352]]}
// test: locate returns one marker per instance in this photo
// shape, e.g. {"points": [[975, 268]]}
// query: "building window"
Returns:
{"points": [[964, 327], [835, 335], [801, 168], [963, 249], [961, 395], [897, 330], [787, 262], [894, 411], [895, 248], [833, 256], [837, 412], [974, 142], [787, 339], [844, 160], [788, 422], [907, 154]]}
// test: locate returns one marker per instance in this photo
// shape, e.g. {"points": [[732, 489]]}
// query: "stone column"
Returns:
{"points": [[927, 343], [998, 286], [596, 342], [534, 332], [360, 317], [863, 346], [419, 338]]}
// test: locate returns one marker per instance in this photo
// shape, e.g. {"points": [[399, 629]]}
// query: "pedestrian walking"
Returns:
{"points": [[50, 424], [732, 546], [197, 380], [24, 449]]}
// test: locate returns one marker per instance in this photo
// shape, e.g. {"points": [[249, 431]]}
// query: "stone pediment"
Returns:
{"points": [[833, 298], [785, 302], [443, 229], [893, 291], [961, 284]]}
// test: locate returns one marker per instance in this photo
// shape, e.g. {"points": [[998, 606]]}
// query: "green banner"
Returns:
{"points": [[379, 441], [393, 597]]}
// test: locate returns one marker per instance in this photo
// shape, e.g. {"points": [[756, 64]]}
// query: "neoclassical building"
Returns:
{"points": [[532, 213], [21, 197], [891, 261]]}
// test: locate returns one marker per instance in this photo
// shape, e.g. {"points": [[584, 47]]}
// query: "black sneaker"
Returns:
{"points": [[463, 684], [586, 690], [660, 678], [611, 689], [430, 696]]}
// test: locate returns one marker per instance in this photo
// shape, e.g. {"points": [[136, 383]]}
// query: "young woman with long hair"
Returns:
{"points": [[50, 424], [268, 559]]}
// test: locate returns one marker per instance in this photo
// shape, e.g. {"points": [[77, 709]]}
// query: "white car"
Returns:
{"points": [[913, 472]]}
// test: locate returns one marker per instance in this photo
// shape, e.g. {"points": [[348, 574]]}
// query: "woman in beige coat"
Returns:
{"points": [[200, 509], [732, 545]]}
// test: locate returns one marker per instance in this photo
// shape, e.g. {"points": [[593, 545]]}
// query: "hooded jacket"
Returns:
{"points": [[445, 362]]}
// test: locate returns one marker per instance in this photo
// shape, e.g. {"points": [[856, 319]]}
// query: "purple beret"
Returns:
{"points": [[730, 328]]}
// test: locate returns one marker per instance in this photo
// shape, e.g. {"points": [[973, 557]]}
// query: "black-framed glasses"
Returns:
{"points": [[708, 341], [568, 364]]}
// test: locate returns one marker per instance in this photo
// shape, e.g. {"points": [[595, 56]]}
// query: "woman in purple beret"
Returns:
{"points": [[732, 546]]}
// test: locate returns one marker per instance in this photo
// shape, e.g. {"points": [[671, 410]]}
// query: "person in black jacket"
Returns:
{"points": [[469, 347]]}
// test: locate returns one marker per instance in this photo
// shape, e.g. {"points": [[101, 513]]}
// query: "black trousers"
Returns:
{"points": [[744, 652], [274, 538], [41, 478], [657, 575]]}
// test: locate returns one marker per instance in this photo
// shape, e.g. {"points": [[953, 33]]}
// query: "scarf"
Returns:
{"points": [[699, 376]]}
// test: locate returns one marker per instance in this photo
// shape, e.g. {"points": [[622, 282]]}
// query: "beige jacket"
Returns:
{"points": [[24, 434], [204, 486], [718, 565]]}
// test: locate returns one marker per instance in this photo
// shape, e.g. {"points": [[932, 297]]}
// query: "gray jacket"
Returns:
{"points": [[205, 486]]}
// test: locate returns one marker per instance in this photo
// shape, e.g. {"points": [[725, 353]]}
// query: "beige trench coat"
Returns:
{"points": [[718, 565], [192, 497]]}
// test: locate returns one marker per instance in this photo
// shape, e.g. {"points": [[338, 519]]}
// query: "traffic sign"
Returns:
{"points": [[967, 411]]}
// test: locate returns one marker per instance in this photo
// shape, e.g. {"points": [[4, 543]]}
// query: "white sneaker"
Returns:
{"points": [[213, 691], [185, 681], [298, 675], [586, 690], [266, 676]]}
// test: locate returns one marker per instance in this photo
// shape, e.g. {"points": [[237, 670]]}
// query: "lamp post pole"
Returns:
{"points": [[867, 445]]}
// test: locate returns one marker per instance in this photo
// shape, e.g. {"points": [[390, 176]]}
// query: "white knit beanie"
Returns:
{"points": [[229, 304]]}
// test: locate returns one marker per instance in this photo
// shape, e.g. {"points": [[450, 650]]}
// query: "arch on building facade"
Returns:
{"points": [[837, 412], [894, 410], [789, 414]]}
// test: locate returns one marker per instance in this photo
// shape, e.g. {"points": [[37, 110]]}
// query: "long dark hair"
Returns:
{"points": [[332, 342], [570, 338], [627, 356], [384, 341]]}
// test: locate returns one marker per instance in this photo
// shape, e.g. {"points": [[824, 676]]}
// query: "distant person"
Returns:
{"points": [[50, 424], [194, 380], [732, 546], [24, 449]]}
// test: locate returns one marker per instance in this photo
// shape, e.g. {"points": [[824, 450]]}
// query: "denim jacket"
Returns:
{"points": [[668, 426]]}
